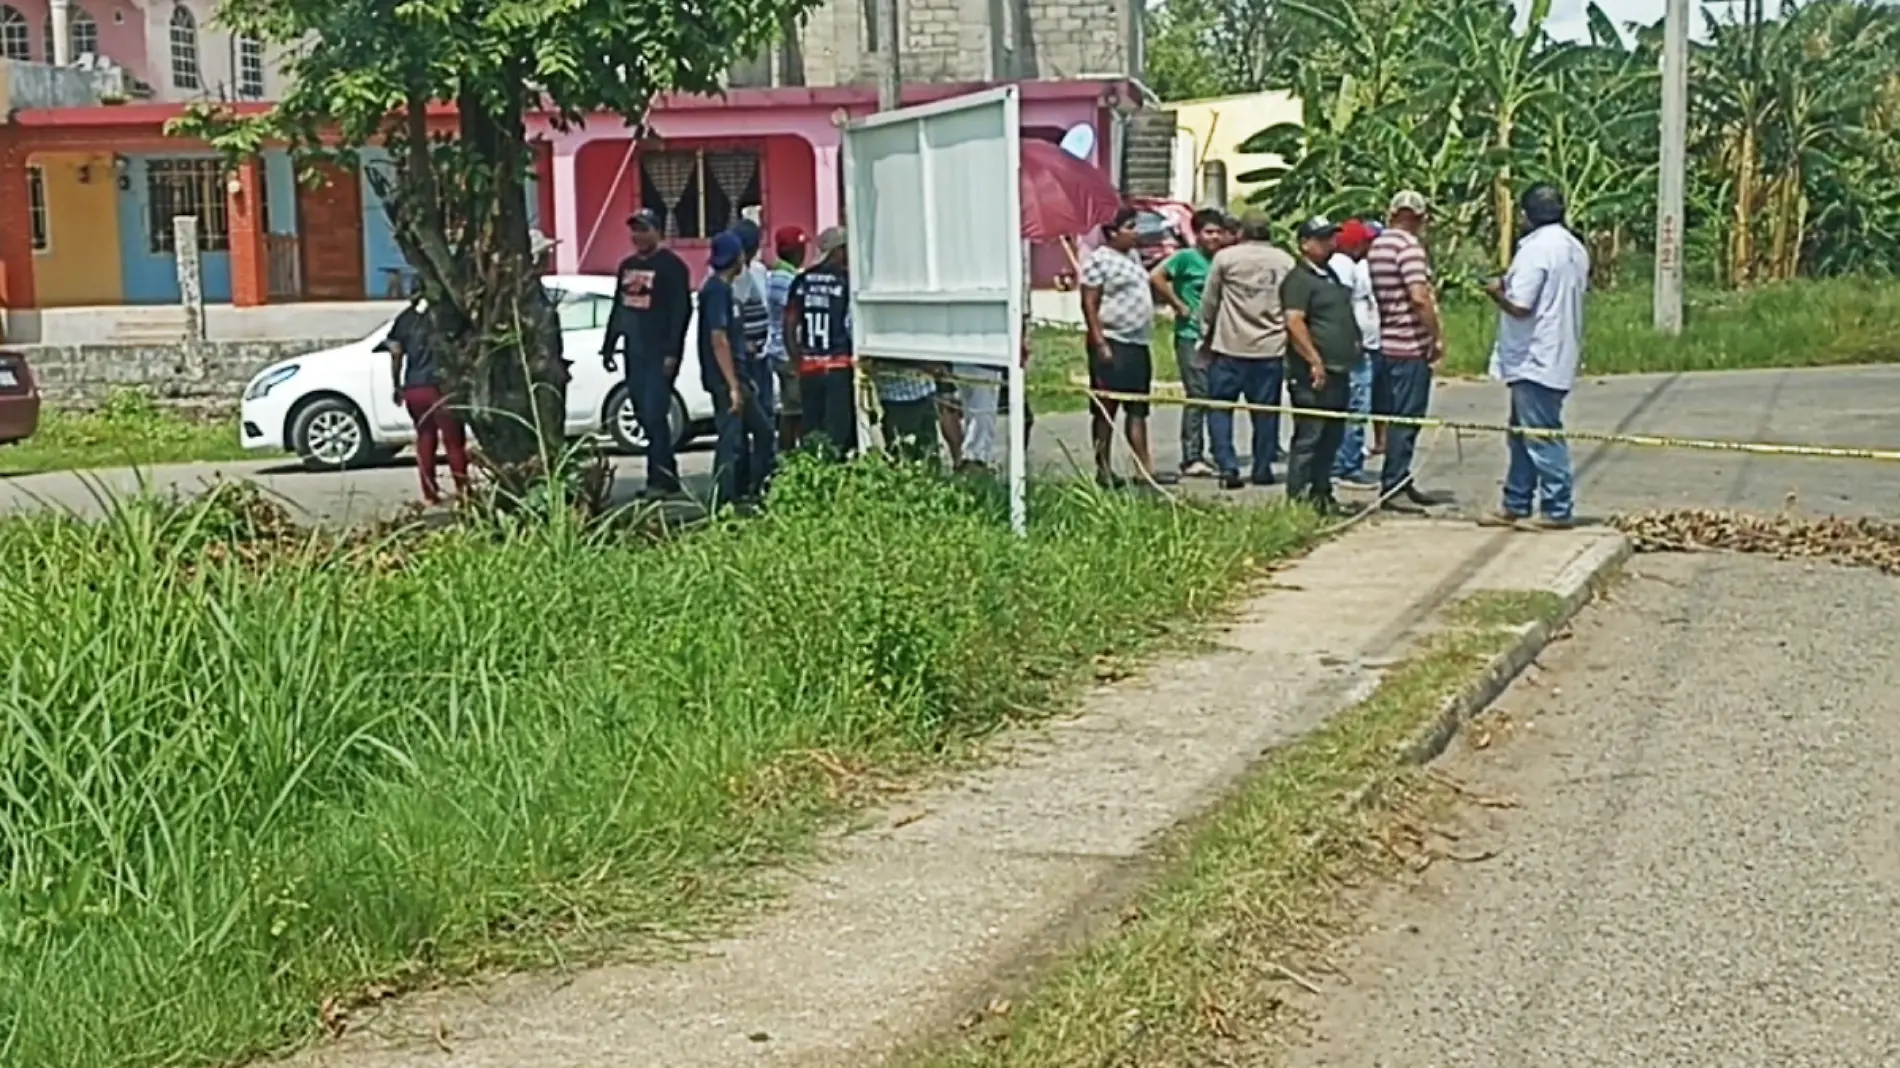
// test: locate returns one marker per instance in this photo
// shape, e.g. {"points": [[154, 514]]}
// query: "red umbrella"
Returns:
{"points": [[1063, 196]]}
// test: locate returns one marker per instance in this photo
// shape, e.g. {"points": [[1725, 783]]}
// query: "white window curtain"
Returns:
{"points": [[734, 172], [670, 172]]}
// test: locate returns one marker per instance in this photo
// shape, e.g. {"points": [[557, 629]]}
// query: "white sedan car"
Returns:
{"points": [[337, 408]]}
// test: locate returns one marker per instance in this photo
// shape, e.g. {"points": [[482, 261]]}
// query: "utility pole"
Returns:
{"points": [[890, 78], [1669, 186]]}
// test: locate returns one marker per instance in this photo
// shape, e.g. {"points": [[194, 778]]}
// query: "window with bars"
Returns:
{"points": [[699, 191], [16, 38], [250, 68], [184, 42], [36, 208], [175, 187]]}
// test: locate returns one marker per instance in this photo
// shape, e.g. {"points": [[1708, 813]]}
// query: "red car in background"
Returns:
{"points": [[19, 399]]}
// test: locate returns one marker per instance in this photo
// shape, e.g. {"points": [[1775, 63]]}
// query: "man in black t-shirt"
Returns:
{"points": [[653, 303], [818, 343], [1325, 341]]}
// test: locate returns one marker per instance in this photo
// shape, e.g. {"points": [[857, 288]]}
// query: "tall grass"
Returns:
{"points": [[232, 786], [1795, 324]]}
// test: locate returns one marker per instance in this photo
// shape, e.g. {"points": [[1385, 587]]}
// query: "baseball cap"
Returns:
{"points": [[787, 236], [1408, 200], [1354, 233], [831, 240], [1318, 226], [748, 234], [726, 250], [644, 219]]}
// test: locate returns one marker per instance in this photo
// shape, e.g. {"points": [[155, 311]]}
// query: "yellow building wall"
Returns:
{"points": [[81, 263], [1218, 126]]}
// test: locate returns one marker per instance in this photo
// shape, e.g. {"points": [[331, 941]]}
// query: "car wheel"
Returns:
{"points": [[330, 434], [623, 422]]}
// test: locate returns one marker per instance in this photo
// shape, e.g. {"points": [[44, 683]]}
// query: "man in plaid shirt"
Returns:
{"points": [[907, 393]]}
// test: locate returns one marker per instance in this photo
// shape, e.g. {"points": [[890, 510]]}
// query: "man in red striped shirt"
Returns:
{"points": [[1411, 343]]}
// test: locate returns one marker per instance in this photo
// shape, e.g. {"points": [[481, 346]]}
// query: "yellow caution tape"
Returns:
{"points": [[1654, 441]]}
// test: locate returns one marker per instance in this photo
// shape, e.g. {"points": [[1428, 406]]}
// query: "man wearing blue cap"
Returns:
{"points": [[653, 302], [722, 347]]}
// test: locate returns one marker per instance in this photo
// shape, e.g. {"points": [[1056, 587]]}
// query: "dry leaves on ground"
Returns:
{"points": [[1860, 542]]}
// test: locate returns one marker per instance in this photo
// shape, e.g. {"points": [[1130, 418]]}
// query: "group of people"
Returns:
{"points": [[1350, 326], [774, 343]]}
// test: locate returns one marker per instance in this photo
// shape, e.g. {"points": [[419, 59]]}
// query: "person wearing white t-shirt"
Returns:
{"points": [[1349, 264], [1538, 351]]}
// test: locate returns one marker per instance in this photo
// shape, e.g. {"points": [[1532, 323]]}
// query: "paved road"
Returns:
{"points": [[1849, 406], [1705, 869]]}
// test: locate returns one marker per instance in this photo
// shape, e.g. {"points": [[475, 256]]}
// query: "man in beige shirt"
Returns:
{"points": [[1243, 342]]}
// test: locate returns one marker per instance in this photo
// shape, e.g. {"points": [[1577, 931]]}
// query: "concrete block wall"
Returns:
{"points": [[975, 40], [209, 378]]}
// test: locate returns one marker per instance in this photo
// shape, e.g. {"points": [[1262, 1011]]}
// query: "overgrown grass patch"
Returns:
{"points": [[234, 785], [1198, 971], [128, 431]]}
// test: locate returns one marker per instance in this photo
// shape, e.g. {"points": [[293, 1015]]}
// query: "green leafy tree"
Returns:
{"points": [[369, 72]]}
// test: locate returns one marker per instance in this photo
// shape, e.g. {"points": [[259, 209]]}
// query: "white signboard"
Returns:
{"points": [[933, 217]]}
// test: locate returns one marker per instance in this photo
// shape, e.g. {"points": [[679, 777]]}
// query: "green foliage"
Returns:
{"points": [[369, 72], [244, 769], [129, 430], [1795, 135]]}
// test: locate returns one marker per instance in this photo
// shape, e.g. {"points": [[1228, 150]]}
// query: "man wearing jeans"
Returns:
{"points": [[1325, 340], [1180, 280], [1539, 347], [1349, 266], [1243, 343], [1411, 343]]}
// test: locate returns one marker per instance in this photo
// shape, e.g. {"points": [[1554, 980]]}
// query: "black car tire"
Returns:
{"points": [[330, 434], [621, 425]]}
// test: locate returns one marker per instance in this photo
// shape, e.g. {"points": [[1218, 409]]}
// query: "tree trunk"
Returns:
{"points": [[1501, 197], [1741, 256], [458, 210]]}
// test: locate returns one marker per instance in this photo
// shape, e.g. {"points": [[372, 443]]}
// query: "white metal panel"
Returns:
{"points": [[934, 223]]}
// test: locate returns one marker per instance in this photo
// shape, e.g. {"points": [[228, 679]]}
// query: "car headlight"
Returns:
{"points": [[269, 380]]}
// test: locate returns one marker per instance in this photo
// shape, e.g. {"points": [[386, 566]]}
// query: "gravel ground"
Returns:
{"points": [[1705, 866]]}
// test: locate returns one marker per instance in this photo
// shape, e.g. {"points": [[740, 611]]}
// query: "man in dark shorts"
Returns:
{"points": [[818, 341], [1118, 311]]}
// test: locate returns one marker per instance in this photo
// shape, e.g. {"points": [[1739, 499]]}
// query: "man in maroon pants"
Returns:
{"points": [[418, 378]]}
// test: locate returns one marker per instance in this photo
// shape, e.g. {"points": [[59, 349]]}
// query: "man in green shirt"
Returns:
{"points": [[1325, 338], [1179, 280]]}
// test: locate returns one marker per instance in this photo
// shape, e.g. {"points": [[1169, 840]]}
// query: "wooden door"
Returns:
{"points": [[330, 216]]}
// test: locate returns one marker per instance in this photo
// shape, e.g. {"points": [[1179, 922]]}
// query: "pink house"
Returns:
{"points": [[705, 158]]}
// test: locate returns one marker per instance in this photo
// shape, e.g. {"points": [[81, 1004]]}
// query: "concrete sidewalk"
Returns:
{"points": [[905, 923]]}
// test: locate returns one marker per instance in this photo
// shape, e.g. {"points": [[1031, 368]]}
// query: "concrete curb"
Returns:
{"points": [[1577, 585]]}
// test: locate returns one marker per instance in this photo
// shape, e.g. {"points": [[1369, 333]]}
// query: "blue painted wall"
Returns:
{"points": [[152, 277], [280, 188]]}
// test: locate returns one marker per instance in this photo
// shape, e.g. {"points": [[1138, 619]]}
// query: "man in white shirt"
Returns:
{"points": [[1349, 265], [1539, 348]]}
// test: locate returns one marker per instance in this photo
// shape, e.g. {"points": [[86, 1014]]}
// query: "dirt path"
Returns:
{"points": [[1705, 867], [891, 936]]}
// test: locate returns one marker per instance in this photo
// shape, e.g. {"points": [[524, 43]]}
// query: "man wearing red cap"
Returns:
{"points": [[789, 243], [1348, 263]]}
